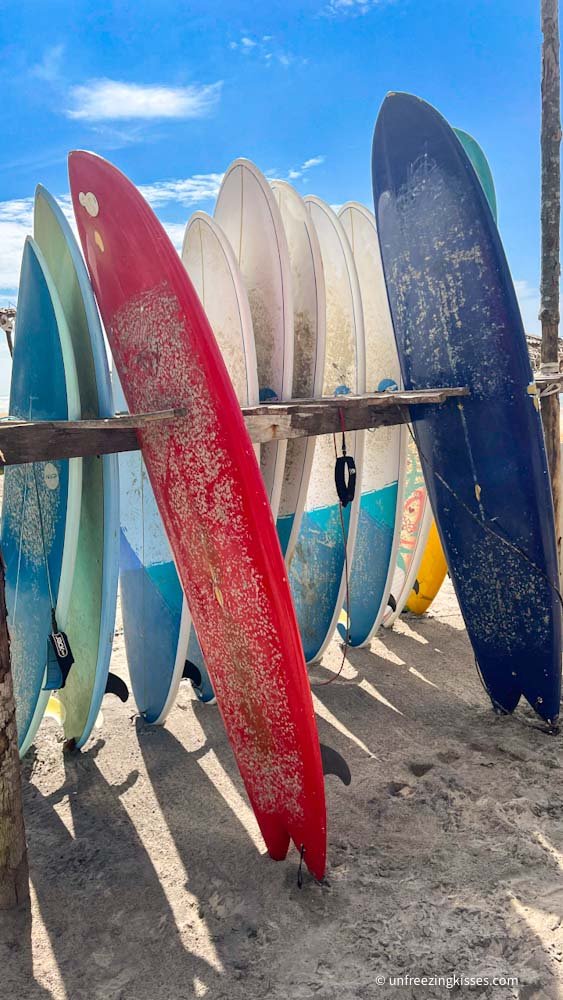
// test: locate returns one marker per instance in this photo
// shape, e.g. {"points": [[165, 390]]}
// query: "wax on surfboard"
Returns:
{"points": [[457, 322], [214, 506], [41, 507], [325, 544]]}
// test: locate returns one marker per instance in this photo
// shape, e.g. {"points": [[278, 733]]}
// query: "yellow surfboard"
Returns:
{"points": [[430, 576]]}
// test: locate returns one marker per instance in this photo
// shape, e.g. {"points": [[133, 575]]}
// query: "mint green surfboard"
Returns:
{"points": [[481, 166], [91, 616]]}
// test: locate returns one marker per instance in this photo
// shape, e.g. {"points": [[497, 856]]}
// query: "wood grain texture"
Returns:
{"points": [[14, 879], [43, 440], [550, 239]]}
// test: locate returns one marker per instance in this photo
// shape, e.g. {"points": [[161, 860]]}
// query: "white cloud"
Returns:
{"points": [[176, 232], [110, 100], [529, 302], [50, 66], [314, 161], [296, 172], [16, 220], [187, 191], [351, 8], [265, 49]]}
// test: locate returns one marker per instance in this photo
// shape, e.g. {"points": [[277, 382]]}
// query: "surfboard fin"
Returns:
{"points": [[118, 687], [392, 602], [334, 763], [191, 673]]}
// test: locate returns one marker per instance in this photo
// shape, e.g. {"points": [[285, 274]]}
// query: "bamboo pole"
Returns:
{"points": [[550, 223], [14, 880]]}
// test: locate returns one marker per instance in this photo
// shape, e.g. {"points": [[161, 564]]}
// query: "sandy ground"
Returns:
{"points": [[150, 882]]}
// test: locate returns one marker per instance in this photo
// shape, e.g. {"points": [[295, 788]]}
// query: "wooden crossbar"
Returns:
{"points": [[44, 440]]}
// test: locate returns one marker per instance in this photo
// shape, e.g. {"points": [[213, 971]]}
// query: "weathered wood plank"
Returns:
{"points": [[14, 882], [42, 440], [39, 441], [303, 418]]}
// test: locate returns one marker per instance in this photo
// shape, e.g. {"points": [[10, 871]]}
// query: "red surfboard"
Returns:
{"points": [[213, 504]]}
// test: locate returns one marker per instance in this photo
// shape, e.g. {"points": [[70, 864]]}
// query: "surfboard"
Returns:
{"points": [[309, 341], [211, 264], [155, 614], [381, 505], [325, 544], [416, 522], [457, 322], [431, 573], [41, 508], [248, 214], [481, 167], [90, 620], [213, 503]]}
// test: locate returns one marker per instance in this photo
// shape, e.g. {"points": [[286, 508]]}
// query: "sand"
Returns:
{"points": [[150, 882]]}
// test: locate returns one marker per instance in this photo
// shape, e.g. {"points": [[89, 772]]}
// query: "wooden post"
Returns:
{"points": [[550, 222], [14, 879]]}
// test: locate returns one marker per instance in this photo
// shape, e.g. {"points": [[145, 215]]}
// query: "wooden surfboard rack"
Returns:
{"points": [[48, 440]]}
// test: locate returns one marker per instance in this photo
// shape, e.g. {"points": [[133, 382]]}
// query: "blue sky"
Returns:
{"points": [[173, 92]]}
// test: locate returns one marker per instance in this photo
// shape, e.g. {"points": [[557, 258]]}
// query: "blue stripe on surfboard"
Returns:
{"points": [[372, 554], [37, 375], [152, 602], [316, 573], [284, 526]]}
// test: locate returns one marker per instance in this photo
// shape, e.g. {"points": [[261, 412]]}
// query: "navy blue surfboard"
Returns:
{"points": [[457, 322]]}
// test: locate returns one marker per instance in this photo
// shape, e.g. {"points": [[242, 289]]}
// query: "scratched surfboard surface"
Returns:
{"points": [[210, 494], [379, 525], [457, 322], [211, 264], [309, 340], [248, 214], [431, 572], [41, 509], [325, 544]]}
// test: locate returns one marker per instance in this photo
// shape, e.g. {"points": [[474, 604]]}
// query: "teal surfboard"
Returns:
{"points": [[91, 615], [41, 510]]}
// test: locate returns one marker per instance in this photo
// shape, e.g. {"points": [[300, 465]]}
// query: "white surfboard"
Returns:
{"points": [[210, 262], [247, 212], [309, 336], [381, 507], [318, 568]]}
